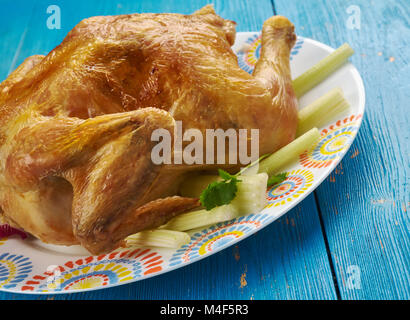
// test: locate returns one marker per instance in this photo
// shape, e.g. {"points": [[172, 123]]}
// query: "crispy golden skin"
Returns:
{"points": [[75, 125]]}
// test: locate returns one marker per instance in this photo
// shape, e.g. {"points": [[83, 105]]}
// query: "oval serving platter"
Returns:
{"points": [[30, 266]]}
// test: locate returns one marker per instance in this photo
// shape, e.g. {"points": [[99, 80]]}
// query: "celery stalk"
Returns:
{"points": [[322, 70], [289, 153], [250, 198], [201, 218], [193, 231], [158, 238], [322, 111], [251, 194]]}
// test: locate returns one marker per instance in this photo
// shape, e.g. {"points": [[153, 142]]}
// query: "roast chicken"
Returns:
{"points": [[76, 125]]}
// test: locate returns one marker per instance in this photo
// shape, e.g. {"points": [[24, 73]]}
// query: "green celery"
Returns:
{"points": [[322, 111], [158, 238], [289, 153], [322, 70]]}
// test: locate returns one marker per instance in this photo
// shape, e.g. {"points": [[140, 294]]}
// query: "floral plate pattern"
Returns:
{"points": [[30, 267]]}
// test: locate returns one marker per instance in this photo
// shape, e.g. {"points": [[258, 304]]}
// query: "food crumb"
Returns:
{"points": [[243, 280], [355, 154], [244, 283], [391, 59]]}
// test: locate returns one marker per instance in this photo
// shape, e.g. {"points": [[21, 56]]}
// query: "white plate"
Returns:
{"points": [[29, 266]]}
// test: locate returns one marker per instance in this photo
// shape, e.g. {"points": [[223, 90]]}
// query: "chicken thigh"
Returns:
{"points": [[76, 125]]}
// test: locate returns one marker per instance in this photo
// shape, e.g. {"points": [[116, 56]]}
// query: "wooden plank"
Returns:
{"points": [[364, 202], [287, 260]]}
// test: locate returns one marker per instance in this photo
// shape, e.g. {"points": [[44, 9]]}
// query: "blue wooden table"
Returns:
{"points": [[350, 239]]}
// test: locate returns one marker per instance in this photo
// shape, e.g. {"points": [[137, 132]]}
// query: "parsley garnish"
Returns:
{"points": [[223, 192], [276, 179], [219, 193]]}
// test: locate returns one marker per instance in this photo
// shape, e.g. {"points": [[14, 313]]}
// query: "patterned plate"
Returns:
{"points": [[29, 266]]}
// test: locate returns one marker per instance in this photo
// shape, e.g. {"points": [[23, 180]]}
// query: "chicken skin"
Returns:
{"points": [[76, 125]]}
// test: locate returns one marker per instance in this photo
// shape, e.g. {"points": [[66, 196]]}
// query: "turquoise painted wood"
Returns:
{"points": [[365, 202], [361, 211], [13, 29]]}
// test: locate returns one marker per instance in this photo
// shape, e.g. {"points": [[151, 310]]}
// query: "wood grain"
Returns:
{"points": [[12, 33], [365, 202]]}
